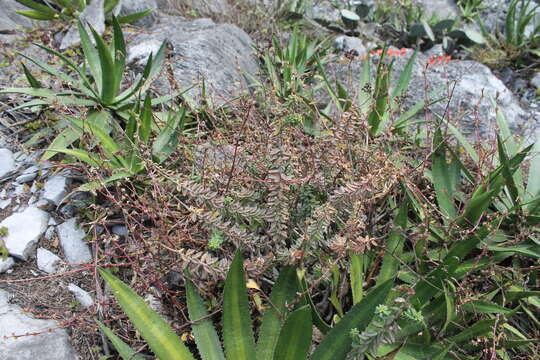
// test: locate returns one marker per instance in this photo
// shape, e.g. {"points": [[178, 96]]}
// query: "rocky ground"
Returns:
{"points": [[45, 272]]}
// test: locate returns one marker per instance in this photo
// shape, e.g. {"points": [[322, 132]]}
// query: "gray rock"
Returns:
{"points": [[94, 16], [7, 163], [47, 261], [436, 50], [5, 199], [28, 175], [19, 189], [535, 81], [50, 343], [494, 15], [441, 8], [6, 264], [83, 297], [134, 6], [10, 20], [54, 189], [324, 13], [72, 241], [475, 87], [120, 230], [348, 43], [221, 54], [217, 9], [67, 211], [24, 230], [49, 233], [26, 158]]}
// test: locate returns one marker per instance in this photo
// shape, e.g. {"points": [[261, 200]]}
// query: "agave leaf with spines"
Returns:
{"points": [[283, 292], [123, 349], [238, 337], [205, 334], [295, 336], [157, 333]]}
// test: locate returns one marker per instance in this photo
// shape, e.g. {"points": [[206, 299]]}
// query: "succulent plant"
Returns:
{"points": [[350, 19], [442, 32]]}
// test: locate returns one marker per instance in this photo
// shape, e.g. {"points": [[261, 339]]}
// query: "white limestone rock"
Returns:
{"points": [[6, 264], [83, 297], [54, 189], [51, 343], [47, 261], [24, 230], [94, 15], [7, 163], [76, 250]]}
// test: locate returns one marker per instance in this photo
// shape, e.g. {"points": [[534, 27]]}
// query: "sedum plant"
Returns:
{"points": [[70, 9], [285, 332]]}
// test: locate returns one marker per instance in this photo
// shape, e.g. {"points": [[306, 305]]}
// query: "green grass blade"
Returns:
{"points": [[441, 178], [283, 292], [477, 206], [517, 295], [364, 97], [49, 69], [378, 113], [35, 14], [337, 343], [62, 141], [394, 248], [157, 333], [405, 76], [533, 180], [81, 155], [433, 284], [205, 334], [131, 18], [480, 328], [123, 349], [167, 139], [462, 140], [145, 126], [109, 5], [107, 90], [478, 306], [318, 321], [450, 301], [119, 55], [356, 274], [43, 9], [507, 172], [237, 332], [428, 30], [31, 79], [138, 85], [91, 56], [110, 147], [295, 337]]}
